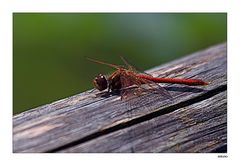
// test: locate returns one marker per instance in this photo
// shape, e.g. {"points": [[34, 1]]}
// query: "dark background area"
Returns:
{"points": [[50, 50]]}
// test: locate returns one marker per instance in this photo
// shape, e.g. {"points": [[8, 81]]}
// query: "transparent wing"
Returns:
{"points": [[135, 86], [130, 85], [156, 88]]}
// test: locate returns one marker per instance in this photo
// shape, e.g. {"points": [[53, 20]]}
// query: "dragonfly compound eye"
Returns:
{"points": [[100, 82]]}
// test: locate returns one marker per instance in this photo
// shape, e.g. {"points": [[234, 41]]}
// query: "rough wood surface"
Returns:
{"points": [[194, 121]]}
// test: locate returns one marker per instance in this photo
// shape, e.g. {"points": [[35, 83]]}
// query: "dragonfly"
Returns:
{"points": [[129, 82]]}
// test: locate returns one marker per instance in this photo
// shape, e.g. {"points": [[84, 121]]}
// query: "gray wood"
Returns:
{"points": [[195, 120], [200, 127]]}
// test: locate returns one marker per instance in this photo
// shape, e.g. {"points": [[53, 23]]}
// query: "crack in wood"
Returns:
{"points": [[141, 119]]}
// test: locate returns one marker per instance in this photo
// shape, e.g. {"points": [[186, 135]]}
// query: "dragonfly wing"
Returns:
{"points": [[130, 85], [156, 88], [135, 86]]}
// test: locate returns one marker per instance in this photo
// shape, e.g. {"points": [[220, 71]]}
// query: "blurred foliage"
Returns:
{"points": [[50, 49]]}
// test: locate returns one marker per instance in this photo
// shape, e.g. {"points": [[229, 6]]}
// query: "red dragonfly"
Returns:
{"points": [[129, 81]]}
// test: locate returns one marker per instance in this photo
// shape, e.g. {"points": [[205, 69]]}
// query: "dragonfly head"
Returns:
{"points": [[100, 82]]}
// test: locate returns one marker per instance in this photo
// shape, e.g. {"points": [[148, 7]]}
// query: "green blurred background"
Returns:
{"points": [[49, 49]]}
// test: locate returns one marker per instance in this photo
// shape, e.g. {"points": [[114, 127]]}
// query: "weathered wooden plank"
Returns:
{"points": [[200, 127], [83, 118]]}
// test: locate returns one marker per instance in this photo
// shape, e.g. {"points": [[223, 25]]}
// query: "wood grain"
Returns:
{"points": [[195, 120], [200, 127]]}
